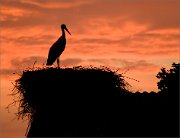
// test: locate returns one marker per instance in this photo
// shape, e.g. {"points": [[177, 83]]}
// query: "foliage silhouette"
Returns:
{"points": [[169, 85], [169, 79], [91, 102]]}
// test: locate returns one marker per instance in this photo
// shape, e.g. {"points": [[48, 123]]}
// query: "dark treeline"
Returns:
{"points": [[93, 102]]}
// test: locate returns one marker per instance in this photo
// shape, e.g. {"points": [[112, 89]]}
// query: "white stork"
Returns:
{"points": [[57, 48]]}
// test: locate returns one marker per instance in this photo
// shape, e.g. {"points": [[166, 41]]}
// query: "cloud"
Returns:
{"points": [[142, 36], [28, 61], [142, 43], [138, 65], [99, 60], [123, 25], [19, 64], [56, 3], [155, 14], [7, 71], [28, 40], [38, 13], [40, 61], [124, 64], [71, 61], [13, 11]]}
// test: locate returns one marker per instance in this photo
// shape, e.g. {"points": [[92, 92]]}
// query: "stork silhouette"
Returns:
{"points": [[57, 48]]}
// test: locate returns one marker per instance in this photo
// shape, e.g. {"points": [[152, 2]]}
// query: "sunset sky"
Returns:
{"points": [[135, 36]]}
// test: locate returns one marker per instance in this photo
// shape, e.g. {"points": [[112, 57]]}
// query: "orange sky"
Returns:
{"points": [[140, 36]]}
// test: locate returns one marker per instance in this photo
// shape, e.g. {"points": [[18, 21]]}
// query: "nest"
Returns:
{"points": [[35, 87]]}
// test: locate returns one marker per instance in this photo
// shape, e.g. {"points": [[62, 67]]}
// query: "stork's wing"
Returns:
{"points": [[53, 54], [55, 51]]}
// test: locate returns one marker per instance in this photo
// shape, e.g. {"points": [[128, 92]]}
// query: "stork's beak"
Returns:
{"points": [[67, 31]]}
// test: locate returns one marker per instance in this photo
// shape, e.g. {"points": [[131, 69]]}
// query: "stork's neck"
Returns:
{"points": [[63, 32]]}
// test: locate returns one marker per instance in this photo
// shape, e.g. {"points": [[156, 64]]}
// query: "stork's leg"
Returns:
{"points": [[58, 63]]}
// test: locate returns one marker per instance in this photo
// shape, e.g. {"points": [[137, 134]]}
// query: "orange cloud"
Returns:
{"points": [[56, 4]]}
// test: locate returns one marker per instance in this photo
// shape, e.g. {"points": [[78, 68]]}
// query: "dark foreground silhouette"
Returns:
{"points": [[92, 102]]}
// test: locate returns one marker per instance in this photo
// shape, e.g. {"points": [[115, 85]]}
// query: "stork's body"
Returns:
{"points": [[57, 48]]}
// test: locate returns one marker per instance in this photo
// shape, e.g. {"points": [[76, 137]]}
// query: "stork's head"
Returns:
{"points": [[63, 26]]}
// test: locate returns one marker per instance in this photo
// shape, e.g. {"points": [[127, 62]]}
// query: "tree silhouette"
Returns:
{"points": [[169, 79], [169, 86]]}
